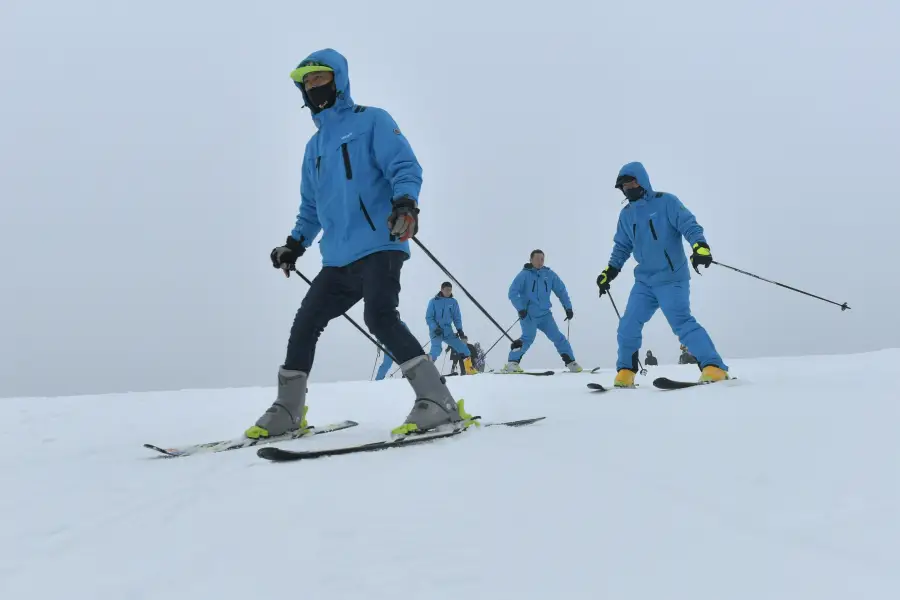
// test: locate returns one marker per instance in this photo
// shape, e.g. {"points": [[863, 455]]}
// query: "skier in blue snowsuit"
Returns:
{"points": [[387, 363], [651, 227], [359, 188], [530, 295], [442, 313]]}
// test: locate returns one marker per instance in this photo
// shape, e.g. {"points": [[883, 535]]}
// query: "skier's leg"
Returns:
{"points": [[436, 347], [434, 405], [642, 304], [548, 325], [386, 365], [333, 292], [675, 302], [529, 331], [463, 349]]}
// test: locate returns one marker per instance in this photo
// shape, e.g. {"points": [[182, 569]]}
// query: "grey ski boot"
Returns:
{"points": [[434, 405], [288, 412]]}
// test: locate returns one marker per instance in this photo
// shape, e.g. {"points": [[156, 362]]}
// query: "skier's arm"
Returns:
{"points": [[307, 226], [429, 317], [559, 288], [457, 316], [622, 246], [684, 221], [515, 295], [395, 156]]}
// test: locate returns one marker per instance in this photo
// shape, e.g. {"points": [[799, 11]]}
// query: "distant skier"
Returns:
{"points": [[686, 357], [457, 360], [359, 173], [387, 363], [441, 315], [650, 360], [530, 295], [651, 226]]}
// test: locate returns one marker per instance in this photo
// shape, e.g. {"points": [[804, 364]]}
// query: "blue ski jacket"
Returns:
{"points": [[532, 287], [441, 312], [353, 167], [652, 229]]}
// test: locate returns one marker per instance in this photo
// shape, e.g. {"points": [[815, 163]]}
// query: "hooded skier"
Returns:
{"points": [[651, 227], [441, 315], [530, 295], [359, 186]]}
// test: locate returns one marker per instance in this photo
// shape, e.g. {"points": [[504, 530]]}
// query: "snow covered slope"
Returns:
{"points": [[784, 487]]}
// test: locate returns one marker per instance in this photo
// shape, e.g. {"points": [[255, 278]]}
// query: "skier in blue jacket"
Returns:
{"points": [[388, 362], [530, 295], [651, 227], [441, 315], [359, 187]]}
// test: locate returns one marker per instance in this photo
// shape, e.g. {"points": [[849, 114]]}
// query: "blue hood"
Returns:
{"points": [[336, 61], [637, 170]]}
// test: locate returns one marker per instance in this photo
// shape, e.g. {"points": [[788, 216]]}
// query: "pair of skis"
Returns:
{"points": [[662, 383], [282, 455]]}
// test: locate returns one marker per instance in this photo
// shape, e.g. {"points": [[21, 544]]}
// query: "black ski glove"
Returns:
{"points": [[605, 277], [701, 256], [516, 345], [570, 314], [460, 334], [404, 219], [285, 257], [438, 332], [523, 313]]}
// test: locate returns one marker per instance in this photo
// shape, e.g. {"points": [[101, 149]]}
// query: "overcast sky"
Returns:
{"points": [[150, 160]]}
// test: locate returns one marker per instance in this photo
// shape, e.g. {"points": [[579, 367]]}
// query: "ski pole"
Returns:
{"points": [[843, 306], [461, 286], [640, 366], [375, 365], [500, 338], [346, 316]]}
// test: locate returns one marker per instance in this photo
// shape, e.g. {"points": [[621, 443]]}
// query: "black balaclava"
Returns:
{"points": [[632, 193], [323, 94]]}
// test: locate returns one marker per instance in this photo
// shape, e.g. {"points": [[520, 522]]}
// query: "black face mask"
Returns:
{"points": [[323, 96], [634, 193]]}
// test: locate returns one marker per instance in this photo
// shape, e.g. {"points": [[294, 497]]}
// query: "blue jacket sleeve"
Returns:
{"points": [[457, 316], [429, 317], [684, 221], [515, 292], [559, 288], [395, 156], [622, 245], [307, 226]]}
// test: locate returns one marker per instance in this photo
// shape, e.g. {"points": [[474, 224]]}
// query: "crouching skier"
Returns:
{"points": [[651, 226], [530, 295], [441, 315], [359, 172]]}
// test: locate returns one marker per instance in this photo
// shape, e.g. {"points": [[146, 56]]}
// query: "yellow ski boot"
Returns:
{"points": [[624, 379], [467, 365], [712, 373], [256, 432]]}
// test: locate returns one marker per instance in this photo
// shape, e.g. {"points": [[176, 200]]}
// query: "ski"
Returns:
{"points": [[281, 455], [244, 442], [664, 383], [596, 387], [534, 373]]}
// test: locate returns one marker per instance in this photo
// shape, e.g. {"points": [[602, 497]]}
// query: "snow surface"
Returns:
{"points": [[785, 486]]}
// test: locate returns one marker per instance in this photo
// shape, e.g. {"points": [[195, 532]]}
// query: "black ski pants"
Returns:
{"points": [[374, 279]]}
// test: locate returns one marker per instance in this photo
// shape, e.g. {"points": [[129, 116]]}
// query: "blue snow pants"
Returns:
{"points": [[386, 365], [548, 325], [674, 300], [451, 340]]}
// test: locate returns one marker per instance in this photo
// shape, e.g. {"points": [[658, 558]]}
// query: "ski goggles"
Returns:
{"points": [[623, 179], [305, 68]]}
